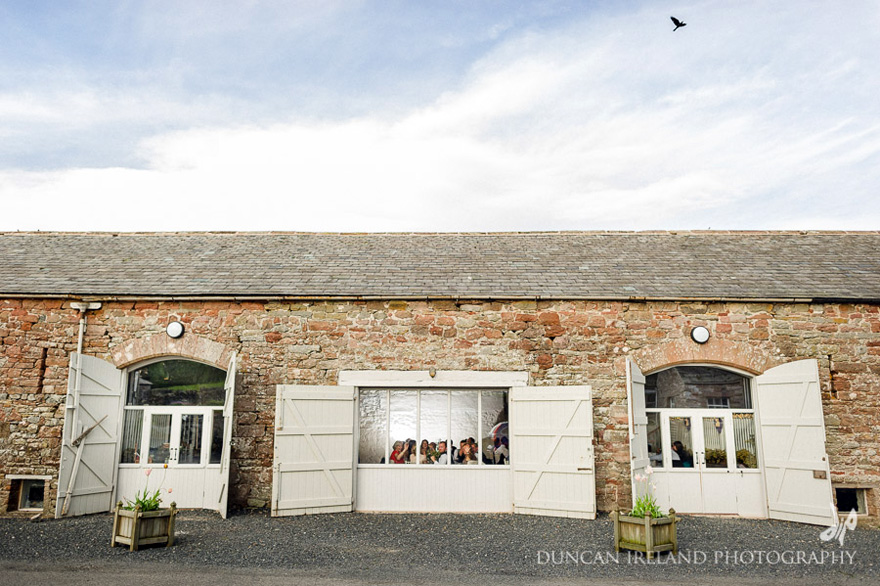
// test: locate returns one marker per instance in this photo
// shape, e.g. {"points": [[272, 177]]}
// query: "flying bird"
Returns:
{"points": [[678, 24]]}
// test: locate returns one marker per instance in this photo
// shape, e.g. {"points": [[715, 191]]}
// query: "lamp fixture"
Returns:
{"points": [[174, 329], [700, 335]]}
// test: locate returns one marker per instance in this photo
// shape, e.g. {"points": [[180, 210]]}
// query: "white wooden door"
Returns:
{"points": [[87, 472], [792, 424], [638, 426], [551, 451], [228, 411], [314, 450]]}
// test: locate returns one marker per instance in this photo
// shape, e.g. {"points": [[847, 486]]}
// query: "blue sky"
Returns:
{"points": [[439, 116]]}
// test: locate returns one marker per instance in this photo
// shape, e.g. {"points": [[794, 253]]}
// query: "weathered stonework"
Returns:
{"points": [[557, 343]]}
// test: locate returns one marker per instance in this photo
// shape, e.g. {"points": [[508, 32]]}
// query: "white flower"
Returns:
{"points": [[649, 470]]}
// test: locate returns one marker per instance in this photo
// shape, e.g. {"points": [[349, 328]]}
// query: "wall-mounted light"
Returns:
{"points": [[174, 329], [700, 335]]}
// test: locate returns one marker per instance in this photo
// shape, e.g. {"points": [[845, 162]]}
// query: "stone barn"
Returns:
{"points": [[537, 373]]}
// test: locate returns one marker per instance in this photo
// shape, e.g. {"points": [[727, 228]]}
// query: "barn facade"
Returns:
{"points": [[539, 373]]}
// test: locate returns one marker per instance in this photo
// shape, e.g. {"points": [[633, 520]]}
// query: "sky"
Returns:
{"points": [[440, 116]]}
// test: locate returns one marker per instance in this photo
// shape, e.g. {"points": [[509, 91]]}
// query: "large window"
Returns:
{"points": [[172, 416], [434, 427]]}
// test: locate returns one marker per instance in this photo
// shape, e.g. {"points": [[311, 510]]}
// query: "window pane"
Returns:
{"points": [[32, 494], [495, 444], [216, 437], [715, 440], [190, 451], [465, 426], [133, 424], [373, 426], [680, 436], [744, 440], [403, 426], [160, 438], [434, 424], [697, 387], [655, 440], [176, 382]]}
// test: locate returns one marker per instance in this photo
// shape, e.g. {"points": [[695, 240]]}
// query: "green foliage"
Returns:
{"points": [[716, 458], [746, 459], [646, 504], [145, 500]]}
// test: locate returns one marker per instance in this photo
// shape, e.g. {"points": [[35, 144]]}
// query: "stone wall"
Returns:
{"points": [[558, 343]]}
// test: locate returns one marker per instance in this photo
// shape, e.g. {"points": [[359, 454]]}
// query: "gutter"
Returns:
{"points": [[463, 297]]}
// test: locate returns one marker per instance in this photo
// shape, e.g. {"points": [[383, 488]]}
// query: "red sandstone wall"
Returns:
{"points": [[556, 342]]}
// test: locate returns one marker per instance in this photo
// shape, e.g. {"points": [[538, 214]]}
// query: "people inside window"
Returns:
{"points": [[417, 426]]}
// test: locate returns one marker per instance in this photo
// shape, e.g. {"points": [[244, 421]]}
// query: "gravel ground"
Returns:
{"points": [[375, 547]]}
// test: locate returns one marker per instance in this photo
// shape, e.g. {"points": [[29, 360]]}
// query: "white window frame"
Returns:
{"points": [[749, 378], [207, 411], [424, 380]]}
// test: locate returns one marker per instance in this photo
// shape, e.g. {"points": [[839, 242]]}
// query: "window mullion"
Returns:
{"points": [[479, 454]]}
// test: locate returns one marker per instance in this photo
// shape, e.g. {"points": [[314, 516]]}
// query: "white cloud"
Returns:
{"points": [[578, 129]]}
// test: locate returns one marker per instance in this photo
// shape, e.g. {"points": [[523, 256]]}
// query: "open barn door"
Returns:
{"points": [[228, 411], [314, 450], [91, 427], [792, 424], [638, 426], [551, 449]]}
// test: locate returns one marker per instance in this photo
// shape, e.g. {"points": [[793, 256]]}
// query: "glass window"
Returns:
{"points": [[416, 426], [404, 407], [132, 430], [715, 442], [190, 451], [160, 438], [373, 427], [433, 423], [655, 443], [216, 437], [744, 440], [493, 434], [464, 426], [176, 382], [680, 438], [31, 498], [697, 387]]}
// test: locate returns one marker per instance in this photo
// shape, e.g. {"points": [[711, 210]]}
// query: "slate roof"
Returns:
{"points": [[557, 265]]}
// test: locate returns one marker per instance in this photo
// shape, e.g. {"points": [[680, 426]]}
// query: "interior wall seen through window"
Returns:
{"points": [[697, 387]]}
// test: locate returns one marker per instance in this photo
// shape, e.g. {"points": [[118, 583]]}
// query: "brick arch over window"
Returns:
{"points": [[188, 346], [715, 351]]}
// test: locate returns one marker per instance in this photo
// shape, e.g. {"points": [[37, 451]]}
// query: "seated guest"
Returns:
{"points": [[397, 453], [443, 457], [502, 452], [467, 455]]}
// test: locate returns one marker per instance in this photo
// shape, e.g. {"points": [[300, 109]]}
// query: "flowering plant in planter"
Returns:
{"points": [[142, 522], [646, 503], [646, 528]]}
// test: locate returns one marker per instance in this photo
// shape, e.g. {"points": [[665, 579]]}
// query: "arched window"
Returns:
{"points": [[697, 387], [171, 405]]}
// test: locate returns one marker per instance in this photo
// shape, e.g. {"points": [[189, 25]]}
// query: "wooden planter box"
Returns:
{"points": [[136, 528], [647, 535]]}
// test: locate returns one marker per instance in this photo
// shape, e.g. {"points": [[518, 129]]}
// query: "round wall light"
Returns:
{"points": [[174, 329], [700, 335]]}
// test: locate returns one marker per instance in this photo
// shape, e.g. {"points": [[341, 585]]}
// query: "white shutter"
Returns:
{"points": [[228, 411], [551, 451], [638, 425], [796, 472], [314, 450], [95, 411]]}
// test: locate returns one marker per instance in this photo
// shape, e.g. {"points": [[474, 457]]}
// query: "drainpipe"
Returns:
{"points": [[71, 408]]}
